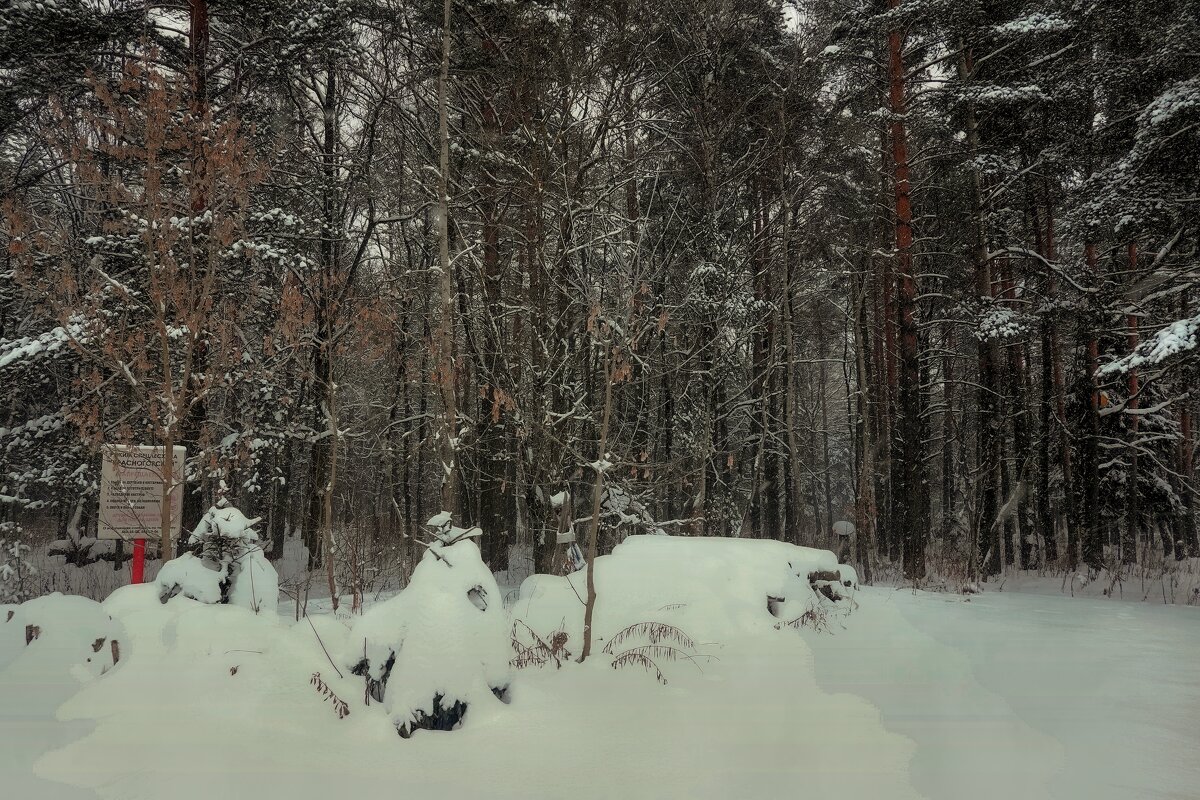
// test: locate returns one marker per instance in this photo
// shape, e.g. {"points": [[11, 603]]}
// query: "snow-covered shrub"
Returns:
{"points": [[712, 588], [621, 512], [441, 646], [228, 565]]}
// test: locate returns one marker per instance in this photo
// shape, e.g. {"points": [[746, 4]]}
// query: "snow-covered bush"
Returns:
{"points": [[228, 565], [708, 587], [441, 646]]}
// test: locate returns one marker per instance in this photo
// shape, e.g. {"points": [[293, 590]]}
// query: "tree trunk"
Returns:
{"points": [[1052, 394], [168, 477], [1093, 535], [864, 499], [444, 337], [989, 423], [1133, 519], [597, 495], [914, 530], [330, 484]]}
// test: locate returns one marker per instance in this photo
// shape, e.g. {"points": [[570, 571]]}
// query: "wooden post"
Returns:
{"points": [[912, 526], [138, 567]]}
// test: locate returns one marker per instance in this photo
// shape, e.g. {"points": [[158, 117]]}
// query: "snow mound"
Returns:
{"points": [[49, 646], [191, 577], [263, 699], [439, 647], [56, 635], [713, 588], [229, 566]]}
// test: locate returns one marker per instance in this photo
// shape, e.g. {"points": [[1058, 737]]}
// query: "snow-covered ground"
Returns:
{"points": [[1011, 695], [998, 695]]}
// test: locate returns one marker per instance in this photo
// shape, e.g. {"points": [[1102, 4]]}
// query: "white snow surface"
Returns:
{"points": [[193, 578], [1011, 695], [36, 679], [257, 583], [440, 519], [226, 521], [911, 694]]}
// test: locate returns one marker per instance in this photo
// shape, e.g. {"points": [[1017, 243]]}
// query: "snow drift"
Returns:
{"points": [[216, 700]]}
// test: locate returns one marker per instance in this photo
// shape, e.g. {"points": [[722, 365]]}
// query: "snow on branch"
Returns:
{"points": [[1179, 338], [1033, 22]]}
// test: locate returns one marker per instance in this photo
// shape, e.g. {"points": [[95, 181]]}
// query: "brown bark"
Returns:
{"points": [[913, 525]]}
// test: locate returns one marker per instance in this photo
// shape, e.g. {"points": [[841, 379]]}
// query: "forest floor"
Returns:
{"points": [[912, 694]]}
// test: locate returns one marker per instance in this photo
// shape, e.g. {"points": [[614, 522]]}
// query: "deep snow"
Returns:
{"points": [[999, 695], [1012, 695]]}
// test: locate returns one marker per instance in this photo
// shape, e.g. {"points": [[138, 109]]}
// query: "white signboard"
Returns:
{"points": [[131, 484]]}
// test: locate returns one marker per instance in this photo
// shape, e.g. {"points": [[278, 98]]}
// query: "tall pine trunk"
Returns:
{"points": [[913, 525], [989, 426]]}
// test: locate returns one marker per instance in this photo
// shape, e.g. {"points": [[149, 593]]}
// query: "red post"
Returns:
{"points": [[139, 561]]}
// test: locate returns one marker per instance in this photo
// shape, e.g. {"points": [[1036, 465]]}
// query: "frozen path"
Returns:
{"points": [[1013, 695]]}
